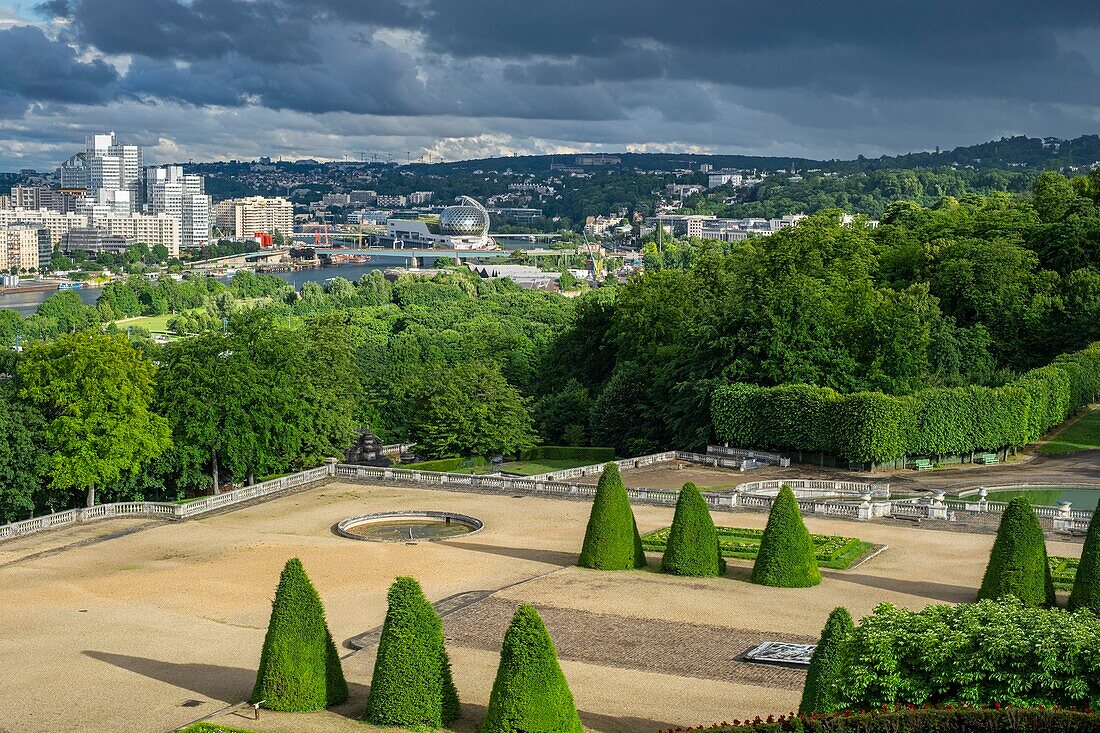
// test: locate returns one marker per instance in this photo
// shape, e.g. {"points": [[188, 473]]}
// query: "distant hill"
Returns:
{"points": [[1013, 152]]}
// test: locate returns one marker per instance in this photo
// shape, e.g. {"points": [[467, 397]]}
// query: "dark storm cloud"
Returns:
{"points": [[860, 76], [36, 68]]}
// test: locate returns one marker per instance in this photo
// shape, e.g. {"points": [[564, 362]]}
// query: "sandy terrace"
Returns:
{"points": [[138, 626]]}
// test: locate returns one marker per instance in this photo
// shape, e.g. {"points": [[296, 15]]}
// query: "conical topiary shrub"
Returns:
{"points": [[820, 692], [611, 541], [299, 667], [692, 547], [530, 694], [1086, 585], [1018, 563], [786, 558], [411, 686]]}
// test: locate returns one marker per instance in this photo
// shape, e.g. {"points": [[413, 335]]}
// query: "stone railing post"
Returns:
{"points": [[865, 505], [983, 504], [938, 509], [1064, 520]]}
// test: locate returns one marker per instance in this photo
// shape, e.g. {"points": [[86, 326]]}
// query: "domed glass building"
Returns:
{"points": [[468, 219], [465, 226]]}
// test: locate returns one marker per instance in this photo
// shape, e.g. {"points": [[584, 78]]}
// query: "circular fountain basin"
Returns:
{"points": [[412, 526]]}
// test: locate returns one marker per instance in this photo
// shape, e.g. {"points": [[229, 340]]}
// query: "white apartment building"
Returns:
{"points": [[170, 191], [149, 229], [249, 216], [723, 177], [25, 247], [55, 222]]}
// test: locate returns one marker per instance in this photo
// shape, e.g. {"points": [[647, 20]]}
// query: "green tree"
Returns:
{"points": [[299, 667], [611, 541], [23, 460], [530, 693], [1053, 196], [411, 686], [1086, 584], [470, 410], [1018, 563], [821, 691], [330, 388], [95, 391], [786, 558], [191, 389], [68, 311], [692, 547]]}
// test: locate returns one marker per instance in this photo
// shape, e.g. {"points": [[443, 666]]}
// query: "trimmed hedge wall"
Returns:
{"points": [[568, 453], [926, 720], [873, 426]]}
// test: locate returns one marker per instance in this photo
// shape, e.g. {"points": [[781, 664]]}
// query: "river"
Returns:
{"points": [[26, 303]]}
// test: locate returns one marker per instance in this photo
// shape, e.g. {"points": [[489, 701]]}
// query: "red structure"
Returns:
{"points": [[264, 239]]}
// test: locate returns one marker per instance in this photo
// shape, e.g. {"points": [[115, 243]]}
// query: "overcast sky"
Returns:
{"points": [[221, 79]]}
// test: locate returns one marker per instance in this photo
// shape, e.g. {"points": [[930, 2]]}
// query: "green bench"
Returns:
{"points": [[988, 459], [922, 464]]}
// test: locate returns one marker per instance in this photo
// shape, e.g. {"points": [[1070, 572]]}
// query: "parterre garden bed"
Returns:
{"points": [[1063, 570], [838, 553]]}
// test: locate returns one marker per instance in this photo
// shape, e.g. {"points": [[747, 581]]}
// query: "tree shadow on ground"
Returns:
{"points": [[924, 589], [473, 715], [550, 557], [234, 684], [212, 681]]}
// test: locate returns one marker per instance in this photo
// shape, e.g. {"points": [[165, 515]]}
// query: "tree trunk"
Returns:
{"points": [[91, 497], [251, 478], [214, 470]]}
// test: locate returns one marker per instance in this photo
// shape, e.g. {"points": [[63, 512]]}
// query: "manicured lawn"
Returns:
{"points": [[833, 551], [152, 324], [528, 468], [1081, 435], [212, 728]]}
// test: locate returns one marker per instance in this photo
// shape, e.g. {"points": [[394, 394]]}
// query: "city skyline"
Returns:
{"points": [[223, 79]]}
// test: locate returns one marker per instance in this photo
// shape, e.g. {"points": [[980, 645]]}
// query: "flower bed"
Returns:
{"points": [[831, 551], [1063, 570]]}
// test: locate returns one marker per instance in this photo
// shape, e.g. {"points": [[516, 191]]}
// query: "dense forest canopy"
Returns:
{"points": [[972, 290]]}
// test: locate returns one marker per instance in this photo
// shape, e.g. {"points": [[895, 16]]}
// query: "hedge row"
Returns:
{"points": [[568, 453], [926, 720], [873, 426], [972, 654]]}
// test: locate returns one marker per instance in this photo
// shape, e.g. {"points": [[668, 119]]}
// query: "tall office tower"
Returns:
{"points": [[112, 168], [169, 190]]}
